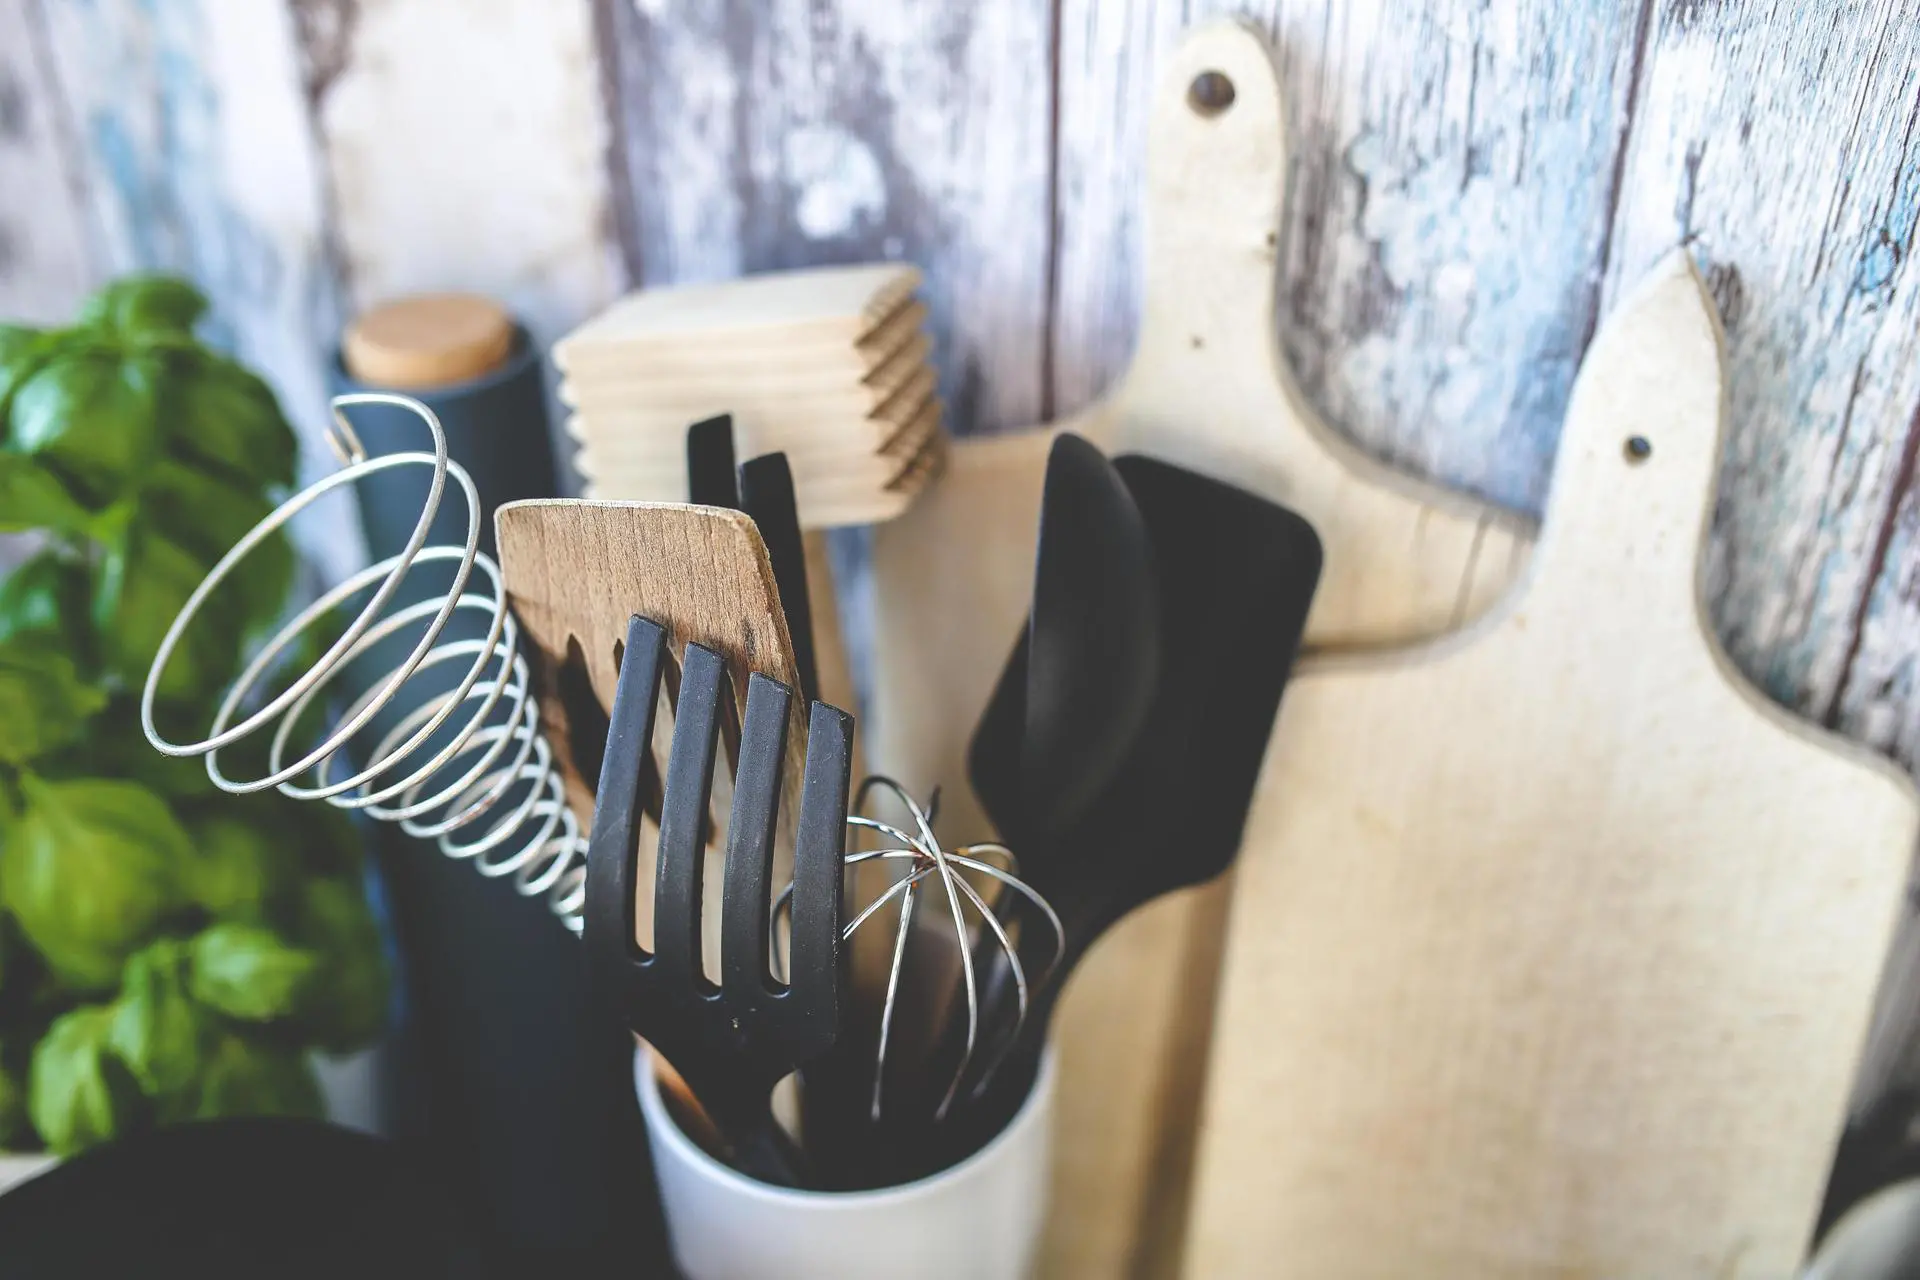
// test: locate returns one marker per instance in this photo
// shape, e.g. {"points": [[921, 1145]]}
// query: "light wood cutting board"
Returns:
{"points": [[1554, 942], [1207, 389]]}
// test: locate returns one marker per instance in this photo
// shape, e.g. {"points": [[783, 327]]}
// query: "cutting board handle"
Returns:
{"points": [[1634, 479], [1216, 175]]}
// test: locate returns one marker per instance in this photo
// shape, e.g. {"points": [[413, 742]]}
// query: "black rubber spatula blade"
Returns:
{"points": [[1237, 577]]}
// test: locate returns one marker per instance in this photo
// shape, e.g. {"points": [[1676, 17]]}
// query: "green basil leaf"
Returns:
{"points": [[246, 971], [143, 304], [90, 415], [22, 352], [157, 1029], [205, 515], [16, 341], [89, 871], [345, 1007], [226, 419], [47, 595], [79, 1092], [247, 1076], [32, 497], [139, 590], [43, 703], [237, 867]]}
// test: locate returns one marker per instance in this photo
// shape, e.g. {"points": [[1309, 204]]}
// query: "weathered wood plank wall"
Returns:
{"points": [[1473, 184]]}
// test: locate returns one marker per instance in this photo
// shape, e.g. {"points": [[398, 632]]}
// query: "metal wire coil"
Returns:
{"points": [[439, 777]]}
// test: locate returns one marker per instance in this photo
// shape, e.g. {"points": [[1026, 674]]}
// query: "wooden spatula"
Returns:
{"points": [[576, 572]]}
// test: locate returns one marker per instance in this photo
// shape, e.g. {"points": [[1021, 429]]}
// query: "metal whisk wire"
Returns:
{"points": [[931, 861], [496, 749]]}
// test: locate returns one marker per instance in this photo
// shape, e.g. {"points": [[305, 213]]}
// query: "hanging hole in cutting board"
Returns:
{"points": [[1637, 450], [1210, 94]]}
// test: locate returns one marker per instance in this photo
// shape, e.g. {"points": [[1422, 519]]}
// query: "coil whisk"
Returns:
{"points": [[467, 766]]}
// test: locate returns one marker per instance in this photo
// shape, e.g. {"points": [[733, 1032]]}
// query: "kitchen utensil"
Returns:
{"points": [[763, 488], [711, 479], [818, 310], [731, 1043], [1554, 943], [981, 1218], [1236, 577], [1206, 390], [575, 572], [1081, 680], [511, 1076], [827, 366], [1877, 1239], [886, 1117], [766, 494], [467, 767]]}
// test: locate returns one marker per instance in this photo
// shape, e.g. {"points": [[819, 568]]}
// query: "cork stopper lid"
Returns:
{"points": [[429, 340]]}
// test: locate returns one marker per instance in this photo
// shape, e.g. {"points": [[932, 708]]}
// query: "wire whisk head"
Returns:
{"points": [[980, 934]]}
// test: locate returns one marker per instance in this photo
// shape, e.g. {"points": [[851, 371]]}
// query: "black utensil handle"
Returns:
{"points": [[710, 476], [766, 494]]}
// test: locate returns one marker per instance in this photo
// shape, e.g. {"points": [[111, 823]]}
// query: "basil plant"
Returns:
{"points": [[167, 951]]}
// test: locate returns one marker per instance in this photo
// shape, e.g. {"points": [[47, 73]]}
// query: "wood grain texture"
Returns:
{"points": [[579, 570], [46, 252], [763, 136], [1206, 389], [465, 148], [576, 572], [1786, 154], [1598, 907], [197, 158], [1450, 196]]}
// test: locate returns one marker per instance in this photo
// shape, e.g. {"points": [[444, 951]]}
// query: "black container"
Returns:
{"points": [[519, 1087]]}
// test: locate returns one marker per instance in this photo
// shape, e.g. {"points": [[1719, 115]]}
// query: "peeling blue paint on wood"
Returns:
{"points": [[46, 256], [199, 160], [760, 137]]}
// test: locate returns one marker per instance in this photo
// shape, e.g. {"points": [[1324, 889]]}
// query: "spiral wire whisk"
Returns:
{"points": [[489, 789]]}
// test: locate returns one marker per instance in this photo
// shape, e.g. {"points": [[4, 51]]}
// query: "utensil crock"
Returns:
{"points": [[979, 1220]]}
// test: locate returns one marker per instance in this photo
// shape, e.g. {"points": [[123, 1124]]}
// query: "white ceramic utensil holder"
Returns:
{"points": [[979, 1220], [1877, 1239]]}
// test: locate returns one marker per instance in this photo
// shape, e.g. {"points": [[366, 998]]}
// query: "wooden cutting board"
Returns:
{"points": [[1554, 942], [1207, 389]]}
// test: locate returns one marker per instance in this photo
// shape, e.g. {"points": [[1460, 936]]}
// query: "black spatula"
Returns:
{"points": [[1236, 575]]}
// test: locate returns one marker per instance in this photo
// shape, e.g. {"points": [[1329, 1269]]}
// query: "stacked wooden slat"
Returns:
{"points": [[829, 366]]}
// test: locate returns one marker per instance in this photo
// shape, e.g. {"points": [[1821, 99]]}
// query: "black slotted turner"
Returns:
{"points": [[732, 1042]]}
